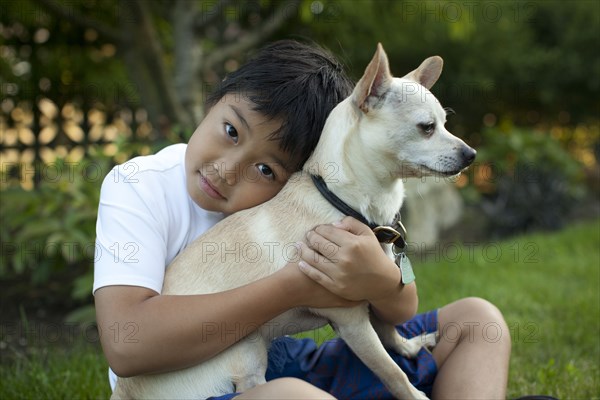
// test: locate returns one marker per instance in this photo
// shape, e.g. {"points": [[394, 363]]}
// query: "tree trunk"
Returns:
{"points": [[188, 53]]}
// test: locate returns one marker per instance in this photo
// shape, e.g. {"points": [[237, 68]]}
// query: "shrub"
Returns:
{"points": [[535, 182], [48, 234]]}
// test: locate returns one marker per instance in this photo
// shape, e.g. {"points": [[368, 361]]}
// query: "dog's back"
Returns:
{"points": [[250, 244]]}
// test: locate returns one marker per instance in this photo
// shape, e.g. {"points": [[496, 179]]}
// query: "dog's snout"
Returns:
{"points": [[468, 154]]}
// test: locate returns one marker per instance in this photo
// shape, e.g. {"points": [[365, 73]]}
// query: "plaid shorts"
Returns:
{"points": [[334, 368]]}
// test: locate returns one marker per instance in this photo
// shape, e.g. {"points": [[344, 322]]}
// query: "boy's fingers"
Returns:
{"points": [[327, 283], [315, 274], [352, 225], [322, 245], [315, 259], [341, 231]]}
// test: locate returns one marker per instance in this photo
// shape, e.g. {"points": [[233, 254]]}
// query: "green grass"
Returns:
{"points": [[547, 286], [79, 372]]}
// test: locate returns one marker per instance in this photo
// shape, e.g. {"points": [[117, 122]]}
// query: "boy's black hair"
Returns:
{"points": [[295, 82]]}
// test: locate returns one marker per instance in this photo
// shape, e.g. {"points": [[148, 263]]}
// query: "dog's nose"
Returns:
{"points": [[468, 154]]}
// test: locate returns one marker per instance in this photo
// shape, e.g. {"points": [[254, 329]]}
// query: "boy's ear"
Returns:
{"points": [[428, 72], [375, 81]]}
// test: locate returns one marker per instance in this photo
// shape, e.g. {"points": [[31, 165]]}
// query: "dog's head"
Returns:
{"points": [[403, 121]]}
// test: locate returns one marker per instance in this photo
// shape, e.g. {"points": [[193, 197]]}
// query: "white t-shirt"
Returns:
{"points": [[145, 218]]}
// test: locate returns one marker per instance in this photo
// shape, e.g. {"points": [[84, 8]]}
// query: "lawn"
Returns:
{"points": [[547, 285], [78, 372]]}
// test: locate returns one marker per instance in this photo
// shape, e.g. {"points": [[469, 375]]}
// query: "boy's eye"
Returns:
{"points": [[231, 132], [266, 171]]}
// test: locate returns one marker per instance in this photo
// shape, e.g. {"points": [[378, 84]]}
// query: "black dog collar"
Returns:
{"points": [[395, 234]]}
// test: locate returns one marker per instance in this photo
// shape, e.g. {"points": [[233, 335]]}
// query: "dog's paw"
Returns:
{"points": [[412, 393], [422, 396], [410, 348], [418, 395], [429, 340]]}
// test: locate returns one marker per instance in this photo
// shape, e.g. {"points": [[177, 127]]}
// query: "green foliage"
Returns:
{"points": [[46, 55], [505, 148], [48, 233], [532, 181], [532, 61]]}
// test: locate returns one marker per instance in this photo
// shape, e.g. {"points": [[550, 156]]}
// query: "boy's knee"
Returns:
{"points": [[488, 317], [286, 388], [482, 309], [297, 388]]}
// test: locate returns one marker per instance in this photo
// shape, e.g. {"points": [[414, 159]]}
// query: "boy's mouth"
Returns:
{"points": [[208, 188]]}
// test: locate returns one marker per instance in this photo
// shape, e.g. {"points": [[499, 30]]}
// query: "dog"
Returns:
{"points": [[388, 129]]}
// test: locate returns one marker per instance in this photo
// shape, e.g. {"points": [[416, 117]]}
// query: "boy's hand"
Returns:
{"points": [[305, 292], [347, 259]]}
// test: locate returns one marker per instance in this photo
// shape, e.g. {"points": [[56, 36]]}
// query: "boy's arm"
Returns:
{"points": [[398, 307], [143, 332], [355, 267]]}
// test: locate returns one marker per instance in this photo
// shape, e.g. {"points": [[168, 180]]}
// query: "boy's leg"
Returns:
{"points": [[473, 351], [334, 368], [470, 359], [285, 388]]}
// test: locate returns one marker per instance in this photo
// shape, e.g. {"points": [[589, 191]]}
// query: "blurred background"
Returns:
{"points": [[87, 84]]}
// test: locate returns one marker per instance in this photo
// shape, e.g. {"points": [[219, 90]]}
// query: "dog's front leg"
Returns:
{"points": [[391, 339], [354, 327]]}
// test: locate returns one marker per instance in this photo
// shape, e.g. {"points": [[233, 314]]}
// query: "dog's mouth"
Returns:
{"points": [[425, 170], [448, 165]]}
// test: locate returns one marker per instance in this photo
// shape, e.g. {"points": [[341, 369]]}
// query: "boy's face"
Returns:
{"points": [[230, 163]]}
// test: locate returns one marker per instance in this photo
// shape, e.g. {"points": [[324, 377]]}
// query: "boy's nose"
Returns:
{"points": [[228, 173]]}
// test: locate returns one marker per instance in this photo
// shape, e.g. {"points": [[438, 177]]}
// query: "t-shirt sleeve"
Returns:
{"points": [[131, 242]]}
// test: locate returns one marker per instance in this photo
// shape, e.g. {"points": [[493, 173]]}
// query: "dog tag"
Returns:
{"points": [[403, 263]]}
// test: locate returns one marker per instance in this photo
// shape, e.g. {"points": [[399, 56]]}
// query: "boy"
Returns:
{"points": [[262, 124]]}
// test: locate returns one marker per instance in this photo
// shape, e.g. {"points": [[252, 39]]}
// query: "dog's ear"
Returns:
{"points": [[375, 81], [428, 72]]}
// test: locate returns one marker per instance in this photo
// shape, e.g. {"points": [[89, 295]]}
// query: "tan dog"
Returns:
{"points": [[388, 129]]}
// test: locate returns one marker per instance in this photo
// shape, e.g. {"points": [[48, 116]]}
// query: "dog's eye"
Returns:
{"points": [[427, 128]]}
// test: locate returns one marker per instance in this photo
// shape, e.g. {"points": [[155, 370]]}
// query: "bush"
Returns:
{"points": [[533, 182], [48, 234]]}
